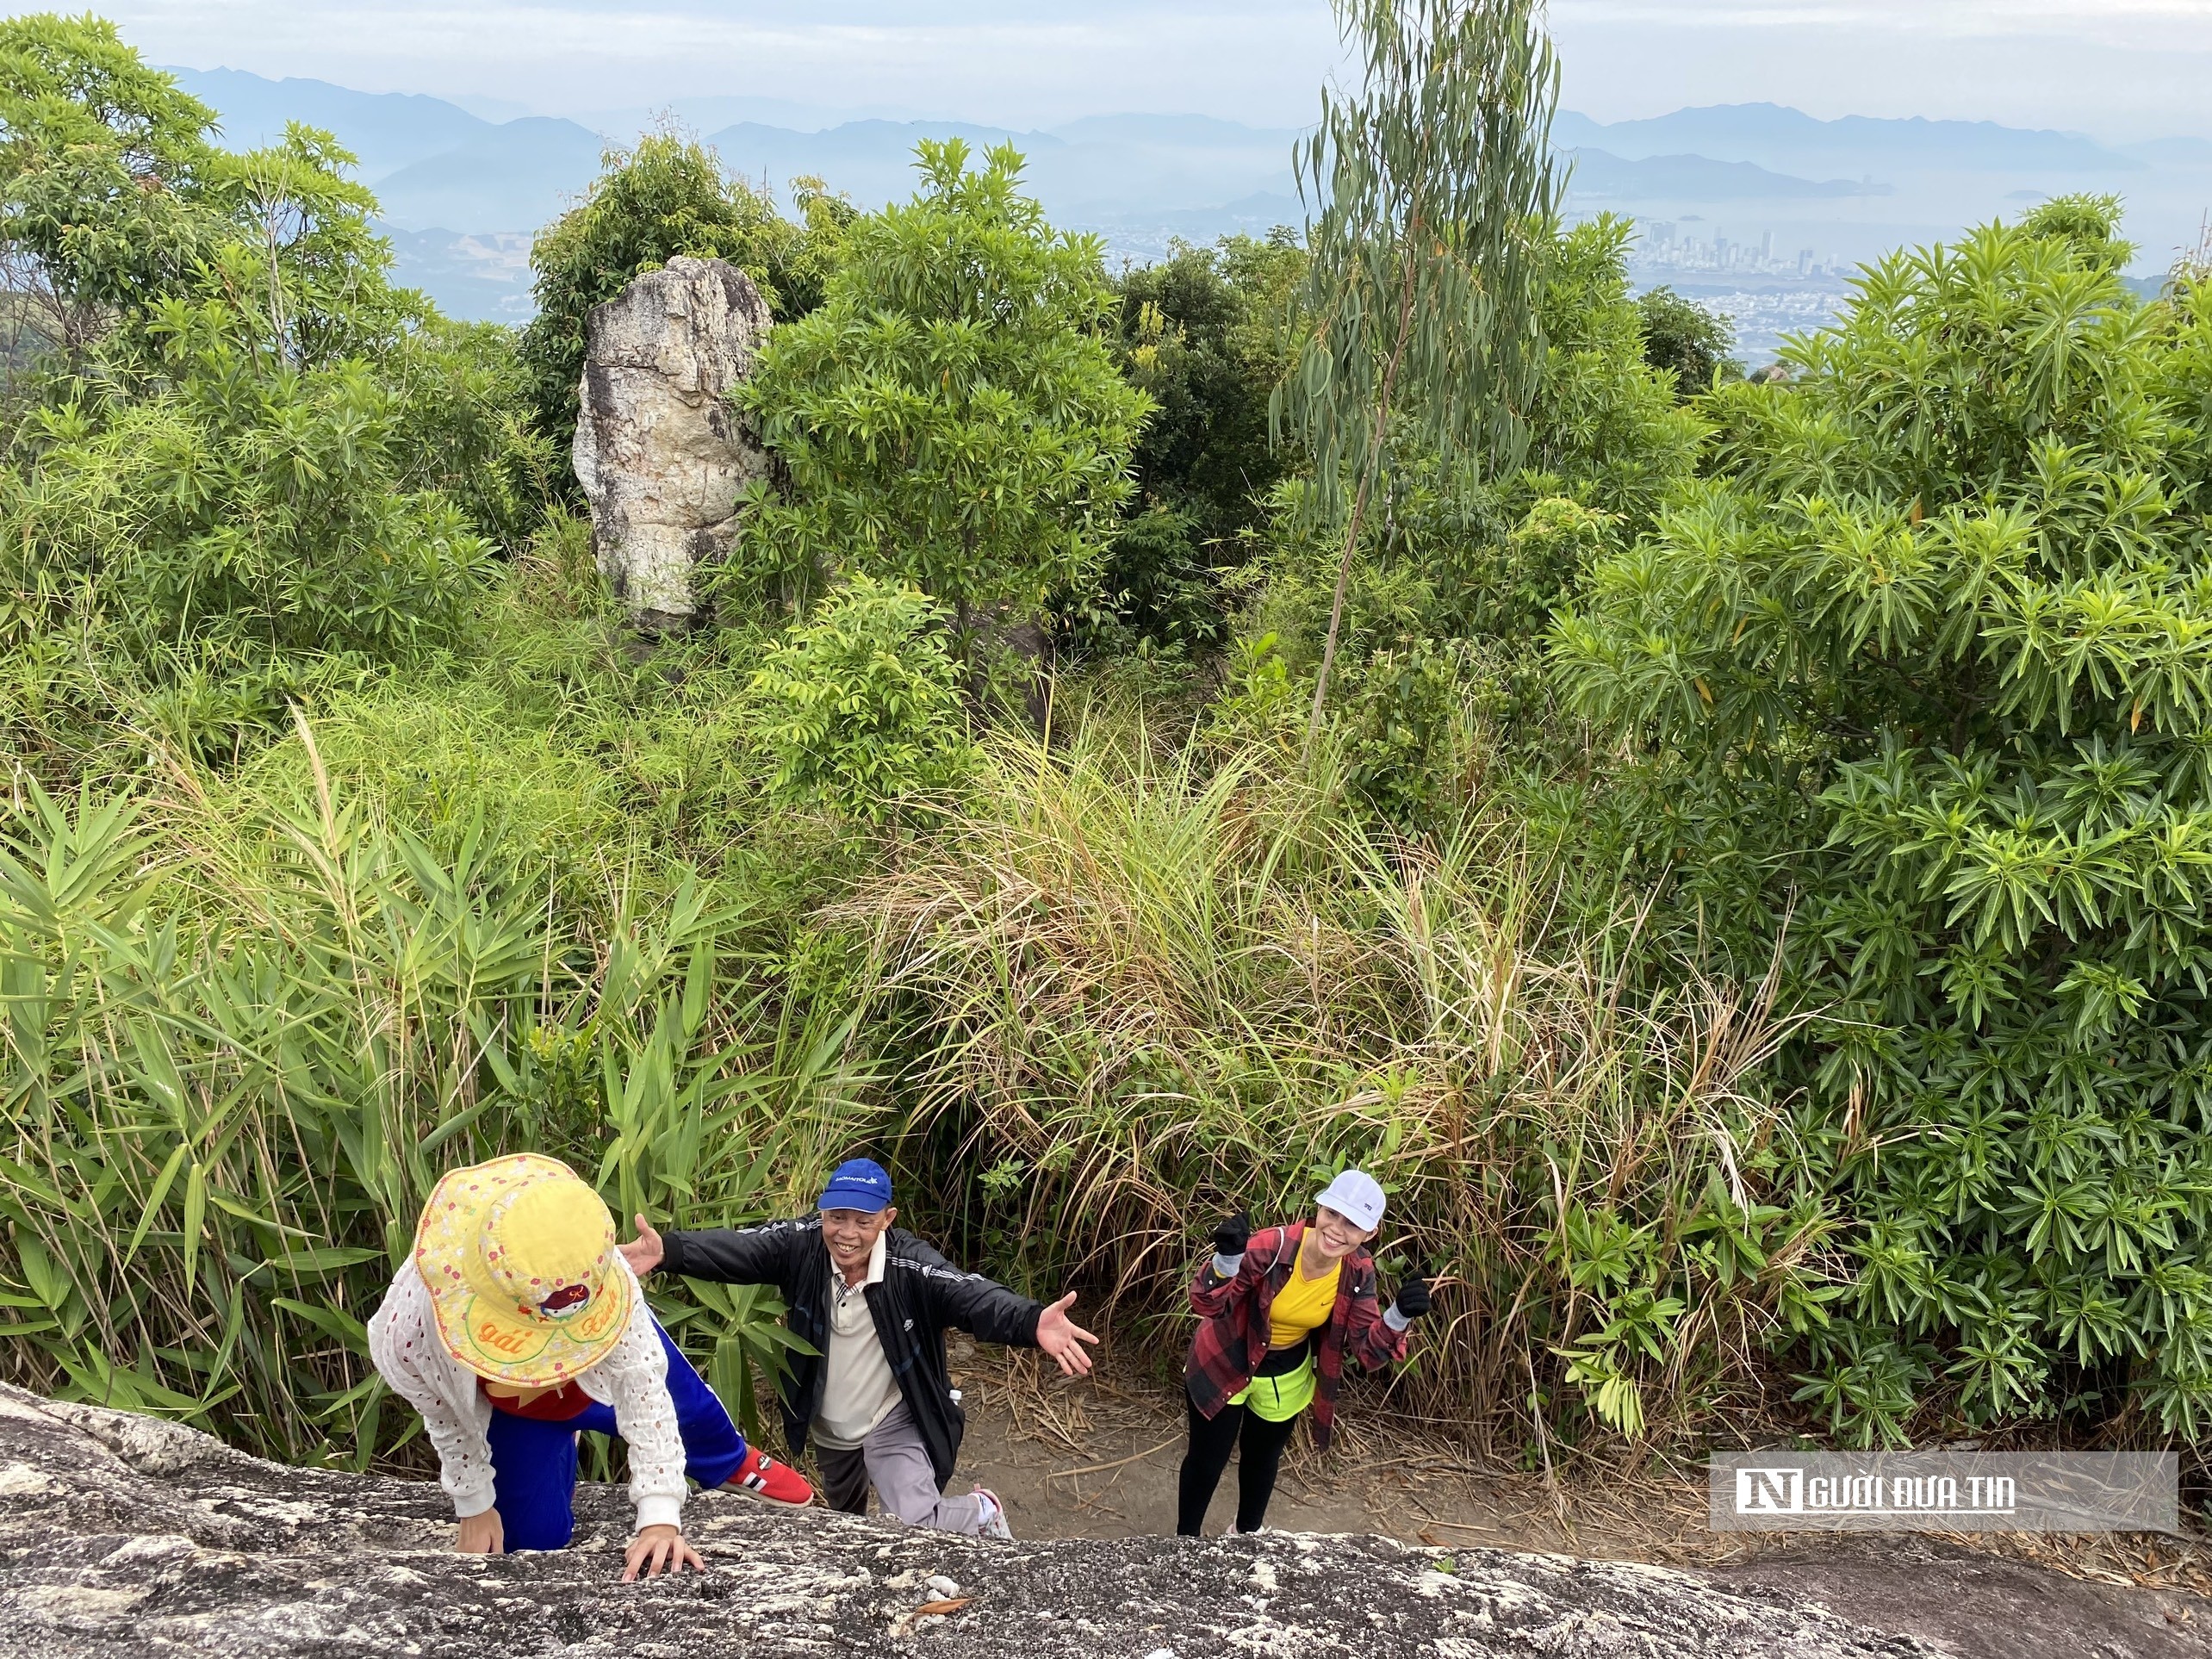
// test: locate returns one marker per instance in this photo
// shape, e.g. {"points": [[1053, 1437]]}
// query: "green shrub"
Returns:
{"points": [[1688, 341], [1206, 334], [1920, 664], [238, 508], [463, 426], [1602, 424], [860, 704], [256, 469]]}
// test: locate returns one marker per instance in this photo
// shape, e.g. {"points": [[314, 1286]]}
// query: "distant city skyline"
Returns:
{"points": [[2120, 69]]}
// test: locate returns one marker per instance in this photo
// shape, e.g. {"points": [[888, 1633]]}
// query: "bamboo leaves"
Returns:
{"points": [[241, 1052]]}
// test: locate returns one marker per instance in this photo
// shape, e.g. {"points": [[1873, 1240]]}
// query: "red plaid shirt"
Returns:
{"points": [[1231, 1341]]}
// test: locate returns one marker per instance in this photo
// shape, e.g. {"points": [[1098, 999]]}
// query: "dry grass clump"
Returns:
{"points": [[1147, 995]]}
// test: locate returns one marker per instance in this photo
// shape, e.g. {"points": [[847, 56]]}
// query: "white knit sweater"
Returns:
{"points": [[633, 1378]]}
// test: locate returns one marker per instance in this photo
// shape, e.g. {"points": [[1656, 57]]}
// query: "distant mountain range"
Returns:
{"points": [[513, 177], [1775, 136], [386, 130], [462, 190], [1601, 177]]}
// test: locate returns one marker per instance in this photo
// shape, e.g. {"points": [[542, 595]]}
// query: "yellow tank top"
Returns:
{"points": [[1302, 1306]]}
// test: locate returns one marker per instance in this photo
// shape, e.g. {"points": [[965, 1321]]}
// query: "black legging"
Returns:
{"points": [[1211, 1445]]}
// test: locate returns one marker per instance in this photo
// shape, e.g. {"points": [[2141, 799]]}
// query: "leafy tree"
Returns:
{"points": [[300, 254], [306, 278], [1922, 661], [1422, 289], [670, 196], [267, 466], [951, 416], [1601, 429], [103, 163], [860, 705], [1687, 340], [462, 412], [1459, 576], [1207, 334]]}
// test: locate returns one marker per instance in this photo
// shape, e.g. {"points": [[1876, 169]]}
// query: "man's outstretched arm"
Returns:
{"points": [[991, 1311], [742, 1255]]}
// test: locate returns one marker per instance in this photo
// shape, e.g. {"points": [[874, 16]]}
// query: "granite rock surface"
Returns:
{"points": [[661, 456], [125, 1535]]}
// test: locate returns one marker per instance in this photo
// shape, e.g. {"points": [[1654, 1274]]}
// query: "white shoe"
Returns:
{"points": [[994, 1514]]}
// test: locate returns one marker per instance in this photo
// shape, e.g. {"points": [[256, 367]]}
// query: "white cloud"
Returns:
{"points": [[989, 59], [2121, 68], [2124, 68]]}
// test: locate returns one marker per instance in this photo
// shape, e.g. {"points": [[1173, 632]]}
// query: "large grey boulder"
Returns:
{"points": [[659, 454], [122, 1535]]}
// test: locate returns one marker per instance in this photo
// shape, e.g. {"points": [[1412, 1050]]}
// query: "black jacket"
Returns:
{"points": [[921, 1294]]}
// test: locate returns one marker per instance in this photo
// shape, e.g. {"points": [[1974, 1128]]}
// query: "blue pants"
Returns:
{"points": [[534, 1462]]}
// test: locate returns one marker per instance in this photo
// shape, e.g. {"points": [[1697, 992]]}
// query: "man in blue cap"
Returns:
{"points": [[872, 1301]]}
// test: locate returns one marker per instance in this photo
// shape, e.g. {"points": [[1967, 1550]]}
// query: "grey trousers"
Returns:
{"points": [[893, 1460]]}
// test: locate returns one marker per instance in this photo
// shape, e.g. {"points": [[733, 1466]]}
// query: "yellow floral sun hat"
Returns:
{"points": [[519, 1257]]}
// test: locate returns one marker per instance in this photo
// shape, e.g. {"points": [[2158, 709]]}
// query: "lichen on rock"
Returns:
{"points": [[121, 1535]]}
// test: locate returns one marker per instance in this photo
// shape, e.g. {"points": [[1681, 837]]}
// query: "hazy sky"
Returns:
{"points": [[2122, 69]]}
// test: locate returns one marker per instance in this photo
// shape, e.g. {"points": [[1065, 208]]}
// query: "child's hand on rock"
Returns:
{"points": [[658, 1550], [482, 1534]]}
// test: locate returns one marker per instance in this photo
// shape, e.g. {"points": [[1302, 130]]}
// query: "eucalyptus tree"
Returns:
{"points": [[1435, 186]]}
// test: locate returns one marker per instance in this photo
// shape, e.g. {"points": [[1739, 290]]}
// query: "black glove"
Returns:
{"points": [[1232, 1235], [1414, 1291]]}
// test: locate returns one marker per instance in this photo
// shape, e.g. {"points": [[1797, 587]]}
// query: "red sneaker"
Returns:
{"points": [[761, 1476]]}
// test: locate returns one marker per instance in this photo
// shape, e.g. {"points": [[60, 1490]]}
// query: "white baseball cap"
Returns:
{"points": [[1355, 1195]]}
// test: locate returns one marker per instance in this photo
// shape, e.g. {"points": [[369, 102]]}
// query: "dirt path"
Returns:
{"points": [[1098, 1459]]}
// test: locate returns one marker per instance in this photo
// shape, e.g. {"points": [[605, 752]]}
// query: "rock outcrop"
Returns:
{"points": [[124, 1535], [659, 454]]}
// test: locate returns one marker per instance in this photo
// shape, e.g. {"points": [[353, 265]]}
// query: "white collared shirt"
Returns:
{"points": [[858, 1390]]}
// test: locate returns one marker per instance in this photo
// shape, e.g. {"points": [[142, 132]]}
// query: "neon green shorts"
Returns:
{"points": [[1278, 1399]]}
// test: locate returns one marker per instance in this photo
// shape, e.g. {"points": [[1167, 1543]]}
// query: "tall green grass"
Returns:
{"points": [[1123, 985], [244, 1034], [1138, 995]]}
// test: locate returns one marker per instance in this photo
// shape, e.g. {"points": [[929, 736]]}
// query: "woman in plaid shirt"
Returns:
{"points": [[1279, 1310]]}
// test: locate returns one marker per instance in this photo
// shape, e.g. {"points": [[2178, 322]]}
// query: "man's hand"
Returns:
{"points": [[482, 1534], [1063, 1339], [659, 1549], [645, 1254]]}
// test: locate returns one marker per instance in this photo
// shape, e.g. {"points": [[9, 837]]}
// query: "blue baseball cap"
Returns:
{"points": [[857, 1184]]}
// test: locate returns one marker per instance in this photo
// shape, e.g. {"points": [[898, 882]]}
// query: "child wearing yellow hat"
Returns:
{"points": [[514, 1325]]}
